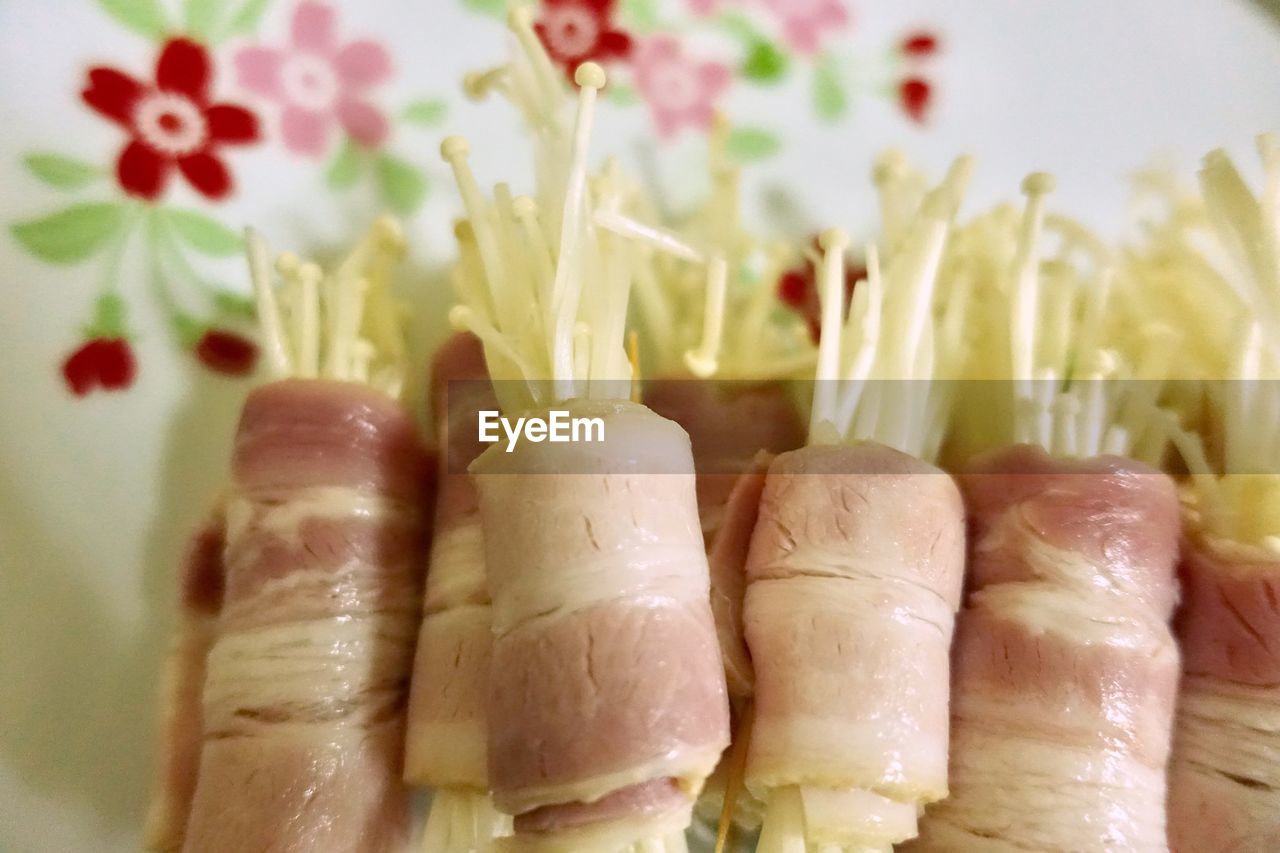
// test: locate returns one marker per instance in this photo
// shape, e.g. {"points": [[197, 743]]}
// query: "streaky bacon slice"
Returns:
{"points": [[177, 760], [853, 577], [299, 433], [641, 800], [727, 561], [1224, 776], [610, 670], [1065, 669], [446, 737], [305, 690], [1229, 621]]}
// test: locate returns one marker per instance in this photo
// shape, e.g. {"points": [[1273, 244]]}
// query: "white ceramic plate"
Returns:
{"points": [[96, 491]]}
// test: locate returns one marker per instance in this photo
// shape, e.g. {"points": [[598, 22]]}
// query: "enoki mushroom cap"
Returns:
{"points": [[590, 75], [454, 147]]}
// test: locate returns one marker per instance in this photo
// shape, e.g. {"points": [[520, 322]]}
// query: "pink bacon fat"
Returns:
{"points": [[607, 671], [181, 727], [727, 559], [853, 577], [728, 423], [300, 433], [1224, 777], [1065, 670], [1229, 621], [446, 735], [304, 698]]}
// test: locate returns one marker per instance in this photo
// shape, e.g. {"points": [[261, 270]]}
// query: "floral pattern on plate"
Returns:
{"points": [[681, 59], [315, 87], [314, 92]]}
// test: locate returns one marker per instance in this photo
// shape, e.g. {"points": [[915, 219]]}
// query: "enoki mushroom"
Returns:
{"points": [[342, 325], [1236, 495], [544, 282], [875, 366]]}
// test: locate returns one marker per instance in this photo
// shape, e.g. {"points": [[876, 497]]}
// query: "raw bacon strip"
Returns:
{"points": [[1224, 777], [854, 570], [304, 699], [727, 557], [1065, 670], [642, 801], [726, 560], [607, 673], [181, 728], [446, 735], [853, 576], [1224, 781]]}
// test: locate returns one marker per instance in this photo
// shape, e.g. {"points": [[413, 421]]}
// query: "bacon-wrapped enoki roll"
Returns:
{"points": [[1065, 671], [852, 581], [854, 572], [181, 730], [446, 735], [1224, 776], [303, 702], [607, 706]]}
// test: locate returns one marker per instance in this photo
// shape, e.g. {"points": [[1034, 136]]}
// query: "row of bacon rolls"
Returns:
{"points": [[818, 638]]}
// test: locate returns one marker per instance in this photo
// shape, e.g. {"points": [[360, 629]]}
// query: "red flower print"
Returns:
{"points": [[919, 43], [105, 363], [578, 31], [226, 352], [319, 82], [795, 287], [171, 122], [798, 290], [916, 96]]}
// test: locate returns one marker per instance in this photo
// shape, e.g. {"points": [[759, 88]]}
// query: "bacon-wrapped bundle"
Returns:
{"points": [[445, 743], [607, 704], [853, 577], [447, 734], [305, 689], [1224, 777], [1065, 670]]}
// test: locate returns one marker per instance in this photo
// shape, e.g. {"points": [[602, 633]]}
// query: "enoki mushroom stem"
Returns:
{"points": [[341, 326], [889, 334], [1071, 396], [463, 820], [783, 828]]}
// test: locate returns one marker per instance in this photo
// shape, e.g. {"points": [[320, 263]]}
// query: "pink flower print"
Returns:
{"points": [[703, 7], [680, 91], [803, 21], [318, 82]]}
